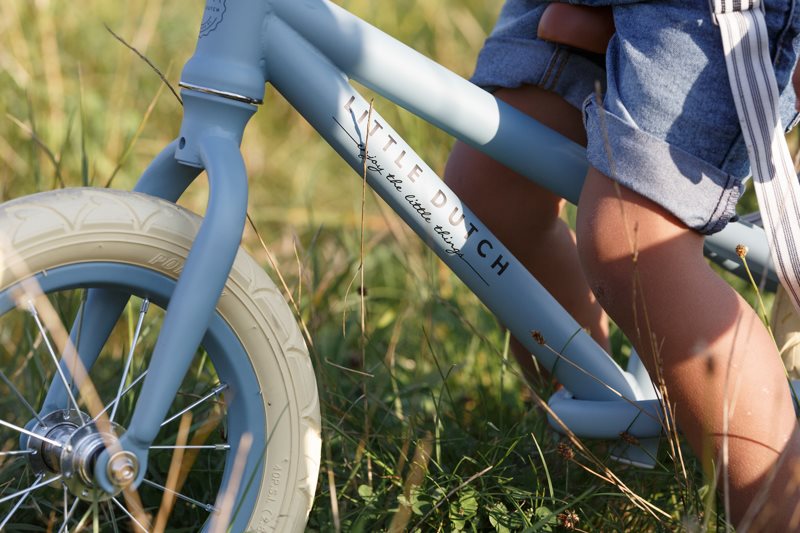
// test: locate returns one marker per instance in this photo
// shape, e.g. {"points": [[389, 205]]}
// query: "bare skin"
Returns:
{"points": [[719, 364], [526, 217]]}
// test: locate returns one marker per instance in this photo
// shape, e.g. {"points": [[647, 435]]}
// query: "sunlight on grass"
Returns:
{"points": [[456, 441]]}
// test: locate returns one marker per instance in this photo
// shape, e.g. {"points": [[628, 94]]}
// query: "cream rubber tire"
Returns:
{"points": [[46, 232]]}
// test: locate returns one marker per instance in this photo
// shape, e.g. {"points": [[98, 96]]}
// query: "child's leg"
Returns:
{"points": [[525, 217], [647, 270]]}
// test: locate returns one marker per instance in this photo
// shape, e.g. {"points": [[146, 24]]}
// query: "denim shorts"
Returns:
{"points": [[658, 109]]}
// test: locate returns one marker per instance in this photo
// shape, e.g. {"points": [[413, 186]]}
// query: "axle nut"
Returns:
{"points": [[122, 469]]}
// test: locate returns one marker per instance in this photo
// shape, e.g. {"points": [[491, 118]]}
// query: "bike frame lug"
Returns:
{"points": [[206, 114]]}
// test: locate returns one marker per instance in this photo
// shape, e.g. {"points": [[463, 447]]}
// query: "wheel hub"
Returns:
{"points": [[70, 447]]}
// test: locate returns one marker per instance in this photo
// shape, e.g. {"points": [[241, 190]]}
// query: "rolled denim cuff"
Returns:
{"points": [[699, 194]]}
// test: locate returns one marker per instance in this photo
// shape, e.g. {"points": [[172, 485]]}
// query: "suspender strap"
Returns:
{"points": [[755, 92], [729, 6]]}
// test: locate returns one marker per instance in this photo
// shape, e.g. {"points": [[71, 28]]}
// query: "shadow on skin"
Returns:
{"points": [[719, 364]]}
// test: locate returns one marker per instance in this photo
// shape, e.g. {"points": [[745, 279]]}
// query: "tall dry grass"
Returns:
{"points": [[456, 440]]}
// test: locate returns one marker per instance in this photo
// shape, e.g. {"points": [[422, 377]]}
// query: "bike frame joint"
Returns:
{"points": [[209, 114]]}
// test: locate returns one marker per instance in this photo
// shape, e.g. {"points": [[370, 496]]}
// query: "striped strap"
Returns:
{"points": [[755, 91], [730, 6]]}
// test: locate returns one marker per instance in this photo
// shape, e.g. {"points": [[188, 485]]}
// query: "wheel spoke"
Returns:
{"points": [[66, 503], [113, 519], [84, 520], [205, 506], [21, 398], [68, 512], [17, 505], [142, 312], [219, 388], [118, 398], [129, 515], [29, 433], [218, 447], [95, 516], [37, 485], [15, 452], [46, 339]]}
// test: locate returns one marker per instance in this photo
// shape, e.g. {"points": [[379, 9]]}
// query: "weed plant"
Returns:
{"points": [[426, 422]]}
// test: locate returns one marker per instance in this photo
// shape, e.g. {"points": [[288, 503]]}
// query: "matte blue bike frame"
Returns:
{"points": [[309, 49]]}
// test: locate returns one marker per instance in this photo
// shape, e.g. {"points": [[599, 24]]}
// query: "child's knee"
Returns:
{"points": [[606, 261], [624, 238], [604, 253]]}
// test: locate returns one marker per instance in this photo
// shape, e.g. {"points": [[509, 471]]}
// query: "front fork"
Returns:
{"points": [[210, 138]]}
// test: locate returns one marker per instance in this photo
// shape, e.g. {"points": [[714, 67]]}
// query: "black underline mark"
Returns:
{"points": [[346, 132], [460, 257], [475, 271]]}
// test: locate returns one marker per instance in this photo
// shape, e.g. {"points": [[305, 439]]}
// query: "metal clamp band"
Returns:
{"points": [[223, 94]]}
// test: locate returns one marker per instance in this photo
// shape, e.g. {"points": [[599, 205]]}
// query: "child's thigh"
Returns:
{"points": [[502, 198], [547, 82]]}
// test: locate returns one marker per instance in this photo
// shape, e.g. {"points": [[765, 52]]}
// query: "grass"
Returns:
{"points": [[426, 424]]}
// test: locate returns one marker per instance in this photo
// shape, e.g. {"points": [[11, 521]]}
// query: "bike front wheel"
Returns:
{"points": [[240, 447]]}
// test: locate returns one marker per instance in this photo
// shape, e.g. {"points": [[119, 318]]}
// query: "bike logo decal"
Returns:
{"points": [[215, 12], [444, 217]]}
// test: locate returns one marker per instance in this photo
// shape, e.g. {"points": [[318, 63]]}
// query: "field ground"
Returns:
{"points": [[427, 424]]}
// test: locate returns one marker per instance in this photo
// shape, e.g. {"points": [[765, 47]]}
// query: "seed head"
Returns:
{"points": [[568, 519], [565, 451], [741, 250], [538, 337]]}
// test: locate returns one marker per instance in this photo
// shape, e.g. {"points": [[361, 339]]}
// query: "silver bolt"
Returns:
{"points": [[122, 468]]}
